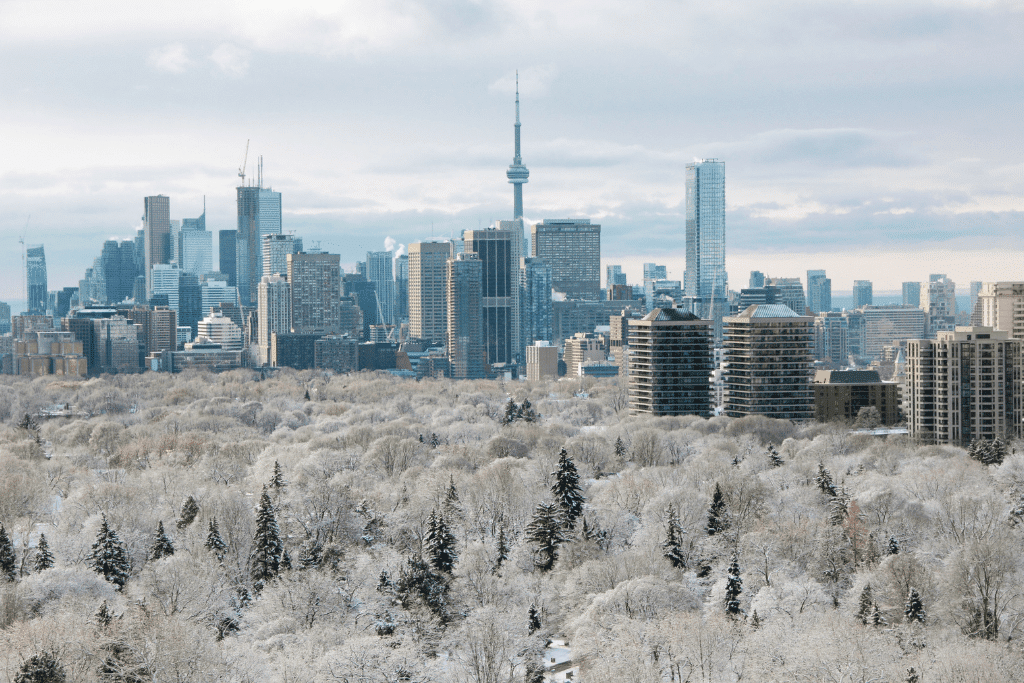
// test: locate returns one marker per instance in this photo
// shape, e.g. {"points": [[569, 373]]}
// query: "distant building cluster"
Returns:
{"points": [[525, 300]]}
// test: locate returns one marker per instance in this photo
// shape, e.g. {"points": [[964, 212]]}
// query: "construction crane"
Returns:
{"points": [[245, 159]]}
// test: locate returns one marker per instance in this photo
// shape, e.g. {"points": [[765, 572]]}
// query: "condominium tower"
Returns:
{"points": [[670, 363], [465, 339], [259, 215], [315, 281], [427, 309], [705, 277], [35, 279]]}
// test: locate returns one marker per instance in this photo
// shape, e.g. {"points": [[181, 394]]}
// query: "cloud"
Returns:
{"points": [[534, 81], [172, 58], [232, 60]]}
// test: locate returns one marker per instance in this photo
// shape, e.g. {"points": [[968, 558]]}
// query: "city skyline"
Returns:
{"points": [[897, 166]]}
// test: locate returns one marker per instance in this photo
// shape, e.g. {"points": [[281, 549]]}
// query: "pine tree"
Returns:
{"points": [[41, 668], [286, 560], [718, 515], [824, 480], [567, 489], [277, 479], [912, 676], [311, 554], [755, 621], [500, 550], [533, 620], [915, 608], [774, 459], [265, 561], [44, 558], [7, 559], [733, 587], [214, 542], [866, 601], [588, 532], [162, 546], [110, 557], [838, 508], [440, 544], [103, 615], [894, 546], [189, 510], [876, 618], [510, 413], [450, 508], [528, 413], [545, 531], [620, 448], [435, 440], [672, 545]]}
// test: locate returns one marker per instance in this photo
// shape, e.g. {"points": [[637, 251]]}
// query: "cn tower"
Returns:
{"points": [[517, 173]]}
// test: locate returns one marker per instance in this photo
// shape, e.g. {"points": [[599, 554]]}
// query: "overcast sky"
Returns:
{"points": [[876, 139]]}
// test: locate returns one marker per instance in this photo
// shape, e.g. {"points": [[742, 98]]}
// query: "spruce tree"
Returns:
{"points": [[894, 546], [110, 557], [733, 588], [774, 459], [510, 413], [265, 561], [755, 621], [824, 480], [277, 478], [500, 550], [915, 608], [440, 544], [189, 510], [620, 448], [162, 546], [866, 602], [876, 618], [718, 515], [286, 560], [103, 615], [214, 543], [527, 411], [567, 489], [545, 531], [533, 620], [912, 676], [44, 558], [311, 554], [435, 440], [672, 545], [7, 561], [450, 507], [41, 668]]}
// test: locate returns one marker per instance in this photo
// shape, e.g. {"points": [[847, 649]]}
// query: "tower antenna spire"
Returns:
{"points": [[517, 173]]}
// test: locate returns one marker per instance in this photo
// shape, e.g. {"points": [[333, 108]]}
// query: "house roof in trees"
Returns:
{"points": [[663, 314]]}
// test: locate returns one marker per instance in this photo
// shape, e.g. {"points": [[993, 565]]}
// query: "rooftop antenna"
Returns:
{"points": [[241, 169], [259, 182]]}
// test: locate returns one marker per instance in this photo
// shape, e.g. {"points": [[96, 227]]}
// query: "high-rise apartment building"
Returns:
{"points": [[401, 289], [705, 278], [670, 363], [572, 249], [536, 302], [911, 293], [862, 293], [790, 292], [652, 271], [757, 279], [499, 250], [938, 299], [35, 284], [427, 309], [316, 292], [221, 329], [259, 215], [464, 275], [819, 291], [217, 292], [275, 312], [885, 325], [276, 248], [831, 338], [614, 276], [380, 271], [964, 385], [165, 280], [768, 356], [541, 362], [1001, 307], [157, 229]]}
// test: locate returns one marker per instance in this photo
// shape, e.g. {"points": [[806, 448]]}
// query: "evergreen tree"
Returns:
{"points": [[214, 542], [528, 413], [620, 448], [718, 515], [450, 507], [435, 440], [838, 508], [588, 532], [755, 621], [567, 489], [533, 620], [162, 546], [110, 557], [286, 560], [7, 560], [265, 561], [500, 550], [915, 608], [672, 545], [510, 413], [384, 581], [440, 544], [733, 588], [876, 618], [545, 531], [988, 452], [912, 676], [824, 480], [103, 615], [894, 546], [866, 601], [44, 558], [277, 479], [311, 554], [774, 459], [189, 510], [41, 668]]}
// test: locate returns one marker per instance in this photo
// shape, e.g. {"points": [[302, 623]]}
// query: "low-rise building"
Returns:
{"points": [[841, 395]]}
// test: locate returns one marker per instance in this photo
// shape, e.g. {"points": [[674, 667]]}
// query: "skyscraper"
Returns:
{"points": [[275, 312], [380, 270], [275, 254], [862, 293], [572, 249], [705, 278], [195, 246], [496, 248], [517, 173], [401, 289], [819, 291], [315, 281], [536, 302], [259, 214], [427, 309], [652, 271], [226, 246], [35, 283], [670, 362], [464, 275], [166, 281], [911, 293], [157, 229], [614, 276]]}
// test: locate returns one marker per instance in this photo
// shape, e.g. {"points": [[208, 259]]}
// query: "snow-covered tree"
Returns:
{"points": [[439, 543], [533, 620], [718, 515], [733, 588], [915, 607], [865, 604], [277, 478], [265, 561], [620, 448], [8, 565], [44, 558], [162, 546], [41, 668], [189, 510], [214, 542], [672, 546], [566, 488], [500, 550], [110, 557], [774, 459], [824, 481], [545, 532]]}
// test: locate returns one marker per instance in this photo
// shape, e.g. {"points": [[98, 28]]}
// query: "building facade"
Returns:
{"points": [[863, 293], [428, 314], [499, 252], [1001, 306], [536, 301], [819, 291], [465, 344], [275, 313], [259, 215], [541, 362], [670, 364], [315, 281], [572, 250], [156, 226], [705, 278], [839, 396]]}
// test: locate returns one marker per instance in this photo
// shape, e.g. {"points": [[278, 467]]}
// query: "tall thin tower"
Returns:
{"points": [[517, 173]]}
